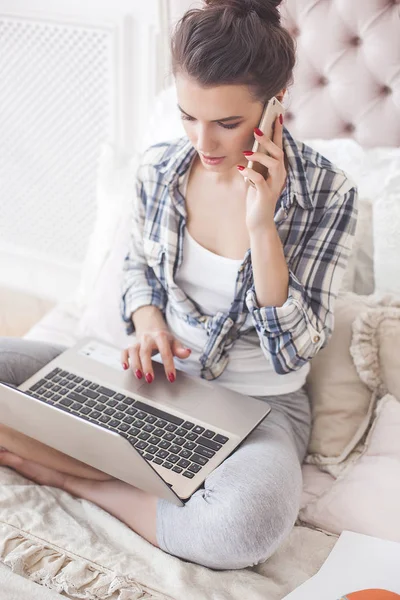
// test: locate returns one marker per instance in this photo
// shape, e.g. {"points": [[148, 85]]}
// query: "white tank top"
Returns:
{"points": [[209, 280]]}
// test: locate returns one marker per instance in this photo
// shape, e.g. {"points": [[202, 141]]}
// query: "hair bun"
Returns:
{"points": [[267, 10]]}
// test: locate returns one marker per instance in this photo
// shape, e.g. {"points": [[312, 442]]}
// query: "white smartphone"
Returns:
{"points": [[272, 109]]}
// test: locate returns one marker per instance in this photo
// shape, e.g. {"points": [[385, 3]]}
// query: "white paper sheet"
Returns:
{"points": [[356, 562]]}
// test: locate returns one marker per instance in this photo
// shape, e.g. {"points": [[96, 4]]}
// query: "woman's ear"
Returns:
{"points": [[280, 95]]}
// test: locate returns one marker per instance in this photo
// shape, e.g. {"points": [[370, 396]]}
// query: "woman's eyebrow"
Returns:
{"points": [[214, 120]]}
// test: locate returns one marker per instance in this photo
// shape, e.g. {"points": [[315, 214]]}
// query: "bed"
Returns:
{"points": [[345, 102]]}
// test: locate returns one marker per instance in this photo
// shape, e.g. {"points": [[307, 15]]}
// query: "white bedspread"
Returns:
{"points": [[15, 587], [75, 548]]}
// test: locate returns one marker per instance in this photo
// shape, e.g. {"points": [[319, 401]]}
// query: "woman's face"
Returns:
{"points": [[219, 121]]}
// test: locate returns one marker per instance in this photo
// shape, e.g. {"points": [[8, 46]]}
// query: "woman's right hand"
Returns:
{"points": [[151, 342]]}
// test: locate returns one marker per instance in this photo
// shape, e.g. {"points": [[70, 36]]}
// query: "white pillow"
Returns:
{"points": [[115, 185], [102, 316], [365, 498], [386, 230]]}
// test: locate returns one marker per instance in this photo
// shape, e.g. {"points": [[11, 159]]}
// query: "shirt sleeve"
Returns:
{"points": [[292, 334], [140, 286]]}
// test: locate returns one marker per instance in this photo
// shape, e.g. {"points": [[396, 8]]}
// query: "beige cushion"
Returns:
{"points": [[341, 403], [375, 346], [389, 351]]}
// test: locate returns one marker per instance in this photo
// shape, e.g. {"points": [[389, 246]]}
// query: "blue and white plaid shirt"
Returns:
{"points": [[315, 219]]}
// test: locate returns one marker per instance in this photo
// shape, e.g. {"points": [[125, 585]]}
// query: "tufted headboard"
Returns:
{"points": [[347, 77]]}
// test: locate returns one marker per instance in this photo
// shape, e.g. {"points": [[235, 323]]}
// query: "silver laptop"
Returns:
{"points": [[164, 438]]}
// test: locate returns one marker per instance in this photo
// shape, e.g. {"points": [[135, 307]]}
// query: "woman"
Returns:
{"points": [[229, 282]]}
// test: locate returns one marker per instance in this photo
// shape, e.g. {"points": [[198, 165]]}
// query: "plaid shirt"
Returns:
{"points": [[315, 219]]}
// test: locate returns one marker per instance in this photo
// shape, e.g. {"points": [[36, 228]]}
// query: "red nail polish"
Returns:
{"points": [[124, 366], [248, 152], [240, 167], [258, 131], [138, 373], [171, 377], [149, 377], [281, 119]]}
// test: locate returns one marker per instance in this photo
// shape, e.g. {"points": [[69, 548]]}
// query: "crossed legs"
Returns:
{"points": [[21, 358]]}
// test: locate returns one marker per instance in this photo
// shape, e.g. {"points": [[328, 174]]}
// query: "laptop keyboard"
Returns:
{"points": [[160, 437]]}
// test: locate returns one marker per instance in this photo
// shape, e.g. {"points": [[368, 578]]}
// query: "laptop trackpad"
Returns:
{"points": [[183, 393]]}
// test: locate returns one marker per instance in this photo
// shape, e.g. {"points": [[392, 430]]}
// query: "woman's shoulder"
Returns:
{"points": [[320, 174], [315, 161], [163, 158]]}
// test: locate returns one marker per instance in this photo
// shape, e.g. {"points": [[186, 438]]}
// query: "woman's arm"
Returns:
{"points": [[148, 317], [292, 304], [144, 301], [293, 332], [270, 270], [140, 286]]}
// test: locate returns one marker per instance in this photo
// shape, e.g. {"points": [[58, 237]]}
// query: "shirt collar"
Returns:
{"points": [[176, 161], [174, 164]]}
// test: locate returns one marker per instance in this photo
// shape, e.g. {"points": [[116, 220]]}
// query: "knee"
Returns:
{"points": [[8, 374], [21, 358], [278, 515], [235, 524], [10, 360], [246, 531], [261, 518], [259, 530]]}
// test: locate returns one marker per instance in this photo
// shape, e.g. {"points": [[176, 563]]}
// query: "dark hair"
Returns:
{"points": [[237, 42]]}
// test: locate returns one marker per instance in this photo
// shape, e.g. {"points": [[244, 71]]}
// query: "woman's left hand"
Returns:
{"points": [[261, 201]]}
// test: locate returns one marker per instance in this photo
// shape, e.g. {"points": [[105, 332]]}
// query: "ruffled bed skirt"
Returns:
{"points": [[64, 573]]}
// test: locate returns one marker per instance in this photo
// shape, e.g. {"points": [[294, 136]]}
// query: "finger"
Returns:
{"points": [[263, 159], [179, 350], [164, 345], [255, 177], [125, 358], [278, 132], [271, 147], [134, 357], [146, 347]]}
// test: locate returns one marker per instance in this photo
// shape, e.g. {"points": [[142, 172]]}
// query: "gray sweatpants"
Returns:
{"points": [[247, 506]]}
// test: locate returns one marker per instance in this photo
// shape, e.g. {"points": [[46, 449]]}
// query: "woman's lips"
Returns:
{"points": [[213, 161]]}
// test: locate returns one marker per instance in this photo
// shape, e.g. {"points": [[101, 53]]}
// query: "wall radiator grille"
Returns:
{"points": [[57, 106]]}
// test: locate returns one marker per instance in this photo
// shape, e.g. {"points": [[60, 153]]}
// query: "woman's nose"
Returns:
{"points": [[205, 143]]}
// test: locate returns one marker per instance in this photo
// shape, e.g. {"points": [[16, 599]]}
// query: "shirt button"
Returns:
{"points": [[316, 339]]}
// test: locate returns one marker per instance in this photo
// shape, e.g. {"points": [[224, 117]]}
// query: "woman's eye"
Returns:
{"points": [[185, 118], [229, 126]]}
